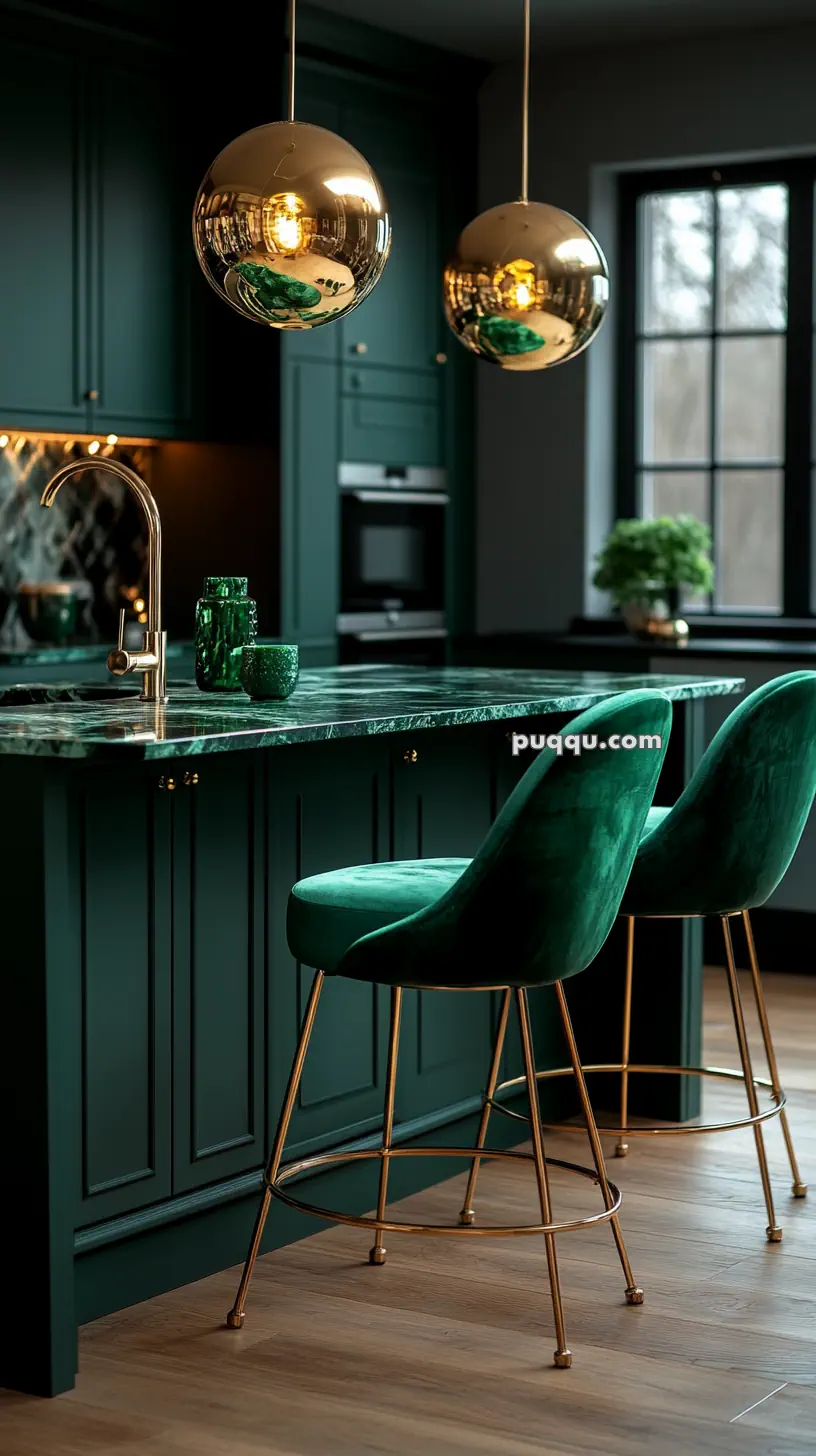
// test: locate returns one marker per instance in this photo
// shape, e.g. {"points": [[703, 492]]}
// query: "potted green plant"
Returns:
{"points": [[645, 564]]}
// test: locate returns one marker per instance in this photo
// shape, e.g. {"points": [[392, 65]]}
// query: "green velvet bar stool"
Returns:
{"points": [[721, 850], [532, 908]]}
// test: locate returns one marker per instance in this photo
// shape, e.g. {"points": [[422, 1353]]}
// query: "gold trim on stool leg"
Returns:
{"points": [[799, 1188], [468, 1214], [562, 1356], [377, 1253], [622, 1146], [634, 1294], [773, 1231], [235, 1318]]}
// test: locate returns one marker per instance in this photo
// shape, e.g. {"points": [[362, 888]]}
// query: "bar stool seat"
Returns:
{"points": [[329, 912], [532, 908]]}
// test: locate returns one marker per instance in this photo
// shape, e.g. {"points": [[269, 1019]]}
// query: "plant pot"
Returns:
{"points": [[655, 622]]}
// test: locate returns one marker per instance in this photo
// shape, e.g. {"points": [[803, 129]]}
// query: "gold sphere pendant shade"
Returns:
{"points": [[291, 226], [526, 287]]}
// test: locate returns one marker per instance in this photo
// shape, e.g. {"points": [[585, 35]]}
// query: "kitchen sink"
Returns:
{"points": [[38, 695]]}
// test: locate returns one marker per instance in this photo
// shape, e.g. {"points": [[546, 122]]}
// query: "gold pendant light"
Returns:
{"points": [[290, 224], [527, 285]]}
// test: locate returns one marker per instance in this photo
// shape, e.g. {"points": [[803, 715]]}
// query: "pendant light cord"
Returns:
{"points": [[525, 103], [292, 59]]}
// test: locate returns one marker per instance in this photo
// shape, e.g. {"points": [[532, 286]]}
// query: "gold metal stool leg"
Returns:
{"points": [[799, 1188], [562, 1356], [634, 1294], [622, 1147], [773, 1231], [468, 1215], [377, 1253], [235, 1318]]}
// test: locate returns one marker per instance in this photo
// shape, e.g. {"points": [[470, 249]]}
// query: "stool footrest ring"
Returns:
{"points": [[454, 1230], [669, 1128]]}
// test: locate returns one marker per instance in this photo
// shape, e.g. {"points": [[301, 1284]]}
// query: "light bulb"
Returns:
{"points": [[113, 440], [283, 225], [93, 447], [3, 441]]}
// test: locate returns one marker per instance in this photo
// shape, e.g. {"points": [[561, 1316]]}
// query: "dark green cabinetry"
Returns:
{"points": [[385, 385], [326, 809], [141, 257], [310, 510], [123, 865], [218, 916], [43, 240], [94, 248]]}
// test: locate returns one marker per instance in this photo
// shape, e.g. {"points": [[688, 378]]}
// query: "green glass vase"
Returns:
{"points": [[226, 623]]}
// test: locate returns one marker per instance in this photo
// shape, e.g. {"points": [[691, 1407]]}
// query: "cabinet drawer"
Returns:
{"points": [[398, 432], [403, 384]]}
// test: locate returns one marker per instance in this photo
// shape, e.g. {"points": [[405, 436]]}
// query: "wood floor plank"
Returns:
{"points": [[446, 1349]]}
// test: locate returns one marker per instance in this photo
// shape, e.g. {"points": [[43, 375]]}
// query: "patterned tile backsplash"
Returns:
{"points": [[95, 533]]}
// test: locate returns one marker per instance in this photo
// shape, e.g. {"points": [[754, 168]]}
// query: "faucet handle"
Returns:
{"points": [[119, 659]]}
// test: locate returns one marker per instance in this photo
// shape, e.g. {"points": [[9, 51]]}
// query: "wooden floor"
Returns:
{"points": [[447, 1348]]}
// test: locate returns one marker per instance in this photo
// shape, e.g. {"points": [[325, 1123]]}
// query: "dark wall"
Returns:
{"points": [[220, 510]]}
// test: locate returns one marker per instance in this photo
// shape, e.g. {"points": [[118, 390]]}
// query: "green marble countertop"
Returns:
{"points": [[333, 702]]}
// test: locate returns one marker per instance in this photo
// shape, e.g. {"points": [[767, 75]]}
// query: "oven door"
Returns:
{"points": [[392, 551]]}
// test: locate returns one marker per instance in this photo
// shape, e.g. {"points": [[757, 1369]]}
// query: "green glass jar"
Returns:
{"points": [[226, 623]]}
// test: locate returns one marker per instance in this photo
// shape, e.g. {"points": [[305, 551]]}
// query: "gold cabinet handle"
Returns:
{"points": [[410, 755], [440, 358], [167, 783], [359, 348], [92, 394], [190, 779]]}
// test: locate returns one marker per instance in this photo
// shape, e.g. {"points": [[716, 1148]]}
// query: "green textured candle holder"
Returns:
{"points": [[269, 670]]}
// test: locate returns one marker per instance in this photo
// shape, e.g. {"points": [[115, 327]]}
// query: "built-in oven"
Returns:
{"points": [[392, 563]]}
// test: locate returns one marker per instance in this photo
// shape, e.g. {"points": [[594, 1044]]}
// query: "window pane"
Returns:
{"points": [[749, 539], [677, 262], [675, 395], [750, 403], [752, 257], [674, 493]]}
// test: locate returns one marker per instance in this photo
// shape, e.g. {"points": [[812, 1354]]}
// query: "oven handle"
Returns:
{"points": [[407, 634], [401, 497]]}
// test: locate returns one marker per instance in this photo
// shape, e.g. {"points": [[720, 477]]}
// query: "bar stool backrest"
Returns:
{"points": [[732, 833], [539, 899]]}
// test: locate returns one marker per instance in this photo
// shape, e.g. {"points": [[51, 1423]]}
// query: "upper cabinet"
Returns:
{"points": [[141, 257], [400, 324], [93, 246], [43, 241]]}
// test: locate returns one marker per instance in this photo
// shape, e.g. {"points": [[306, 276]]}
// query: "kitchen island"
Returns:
{"points": [[150, 1002]]}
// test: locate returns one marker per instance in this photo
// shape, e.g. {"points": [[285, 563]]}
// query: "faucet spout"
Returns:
{"points": [[151, 660]]}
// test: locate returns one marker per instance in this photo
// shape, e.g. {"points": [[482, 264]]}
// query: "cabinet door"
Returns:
{"points": [[310, 507], [390, 431], [42, 240], [124, 896], [327, 808], [218, 969], [443, 804], [400, 322], [141, 253]]}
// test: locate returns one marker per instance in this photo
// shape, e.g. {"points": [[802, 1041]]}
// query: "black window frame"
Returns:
{"points": [[798, 174]]}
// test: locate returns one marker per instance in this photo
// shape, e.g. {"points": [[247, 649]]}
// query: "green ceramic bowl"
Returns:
{"points": [[269, 670]]}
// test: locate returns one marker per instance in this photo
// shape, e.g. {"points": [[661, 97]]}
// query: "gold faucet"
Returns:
{"points": [[152, 660]]}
